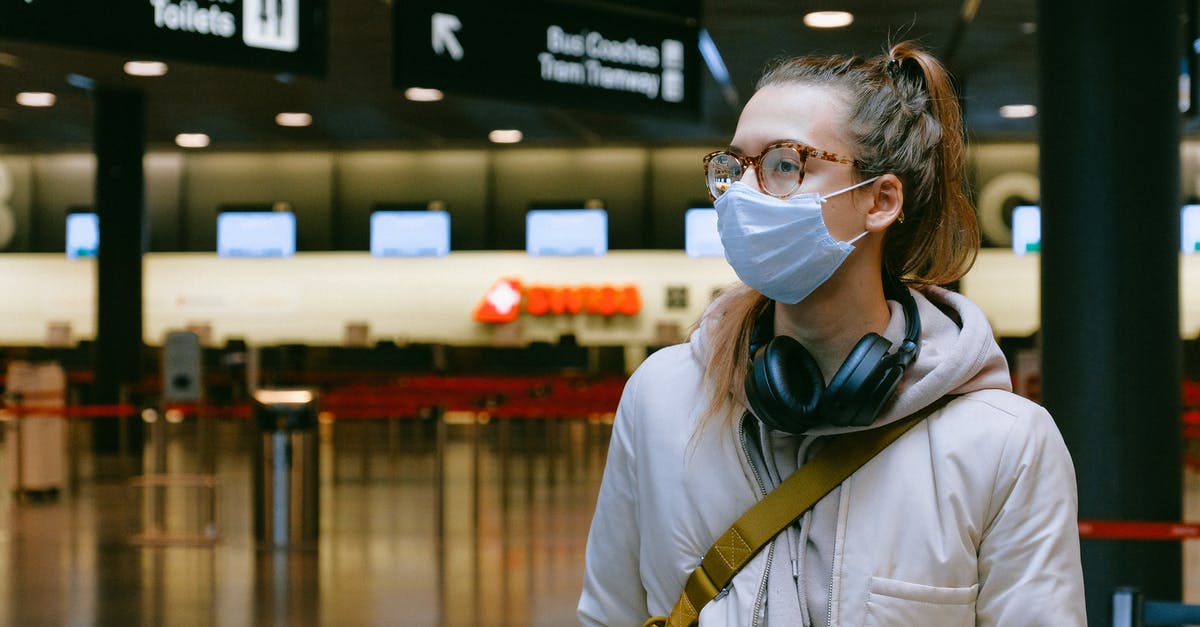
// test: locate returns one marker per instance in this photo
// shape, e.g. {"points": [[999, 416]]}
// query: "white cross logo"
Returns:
{"points": [[503, 297]]}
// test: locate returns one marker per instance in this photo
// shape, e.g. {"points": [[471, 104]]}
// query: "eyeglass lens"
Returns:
{"points": [[722, 171], [780, 171]]}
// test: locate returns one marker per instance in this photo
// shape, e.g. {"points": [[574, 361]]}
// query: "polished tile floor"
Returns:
{"points": [[477, 525], [462, 525]]}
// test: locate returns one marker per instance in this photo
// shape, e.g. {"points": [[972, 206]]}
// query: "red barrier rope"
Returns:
{"points": [[332, 411], [123, 410], [1138, 530], [71, 411]]}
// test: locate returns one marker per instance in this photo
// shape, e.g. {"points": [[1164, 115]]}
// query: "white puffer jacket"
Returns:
{"points": [[968, 519]]}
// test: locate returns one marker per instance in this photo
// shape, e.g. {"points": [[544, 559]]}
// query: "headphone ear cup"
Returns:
{"points": [[784, 387], [850, 397]]}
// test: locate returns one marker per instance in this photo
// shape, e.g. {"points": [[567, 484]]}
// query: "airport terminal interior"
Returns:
{"points": [[383, 271]]}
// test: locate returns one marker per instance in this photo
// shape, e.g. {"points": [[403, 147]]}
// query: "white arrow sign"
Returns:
{"points": [[444, 27]]}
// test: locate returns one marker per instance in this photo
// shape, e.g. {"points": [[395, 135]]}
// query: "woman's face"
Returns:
{"points": [[814, 116]]}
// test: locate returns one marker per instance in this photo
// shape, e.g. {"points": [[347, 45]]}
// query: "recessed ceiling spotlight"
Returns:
{"points": [[192, 140], [422, 94], [293, 119], [145, 68], [1028, 28], [11, 60], [1018, 111], [828, 19], [506, 136], [36, 99]]}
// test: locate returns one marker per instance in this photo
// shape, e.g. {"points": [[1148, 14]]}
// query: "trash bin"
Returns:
{"points": [[286, 503]]}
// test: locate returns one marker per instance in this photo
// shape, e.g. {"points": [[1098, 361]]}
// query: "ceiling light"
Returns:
{"points": [[293, 119], [36, 99], [828, 19], [145, 68], [421, 94], [11, 60], [506, 136], [192, 140], [1018, 111]]}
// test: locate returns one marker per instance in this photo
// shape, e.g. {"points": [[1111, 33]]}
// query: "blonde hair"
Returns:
{"points": [[904, 119]]}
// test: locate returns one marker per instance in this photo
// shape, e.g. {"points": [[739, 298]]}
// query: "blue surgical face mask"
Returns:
{"points": [[780, 246]]}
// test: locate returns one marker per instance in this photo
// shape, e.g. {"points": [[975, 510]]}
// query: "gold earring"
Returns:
{"points": [[901, 218]]}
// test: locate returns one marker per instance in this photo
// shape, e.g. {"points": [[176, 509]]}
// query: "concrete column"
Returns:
{"points": [[1110, 132], [120, 144]]}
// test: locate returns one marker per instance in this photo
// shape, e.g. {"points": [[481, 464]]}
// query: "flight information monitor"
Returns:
{"points": [[1190, 229], [256, 234], [700, 235], [410, 233], [1027, 229], [566, 232], [83, 234]]}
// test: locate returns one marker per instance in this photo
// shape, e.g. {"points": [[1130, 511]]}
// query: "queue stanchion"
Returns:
{"points": [[285, 473], [124, 454], [439, 476], [179, 505], [18, 452], [1127, 607], [175, 507], [73, 445]]}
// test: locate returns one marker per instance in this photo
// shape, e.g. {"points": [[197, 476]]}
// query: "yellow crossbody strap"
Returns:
{"points": [[840, 457]]}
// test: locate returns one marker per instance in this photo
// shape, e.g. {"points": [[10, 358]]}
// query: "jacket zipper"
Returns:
{"points": [[829, 598], [837, 525], [762, 487], [829, 602], [762, 587], [762, 490]]}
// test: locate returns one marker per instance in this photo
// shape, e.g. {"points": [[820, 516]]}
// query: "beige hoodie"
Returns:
{"points": [[969, 519]]}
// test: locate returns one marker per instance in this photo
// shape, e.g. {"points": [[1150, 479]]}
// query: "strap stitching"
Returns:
{"points": [[687, 612], [737, 552]]}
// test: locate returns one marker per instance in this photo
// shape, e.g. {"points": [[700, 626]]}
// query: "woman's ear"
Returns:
{"points": [[888, 194]]}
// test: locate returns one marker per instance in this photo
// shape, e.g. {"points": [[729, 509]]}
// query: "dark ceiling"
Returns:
{"points": [[355, 105]]}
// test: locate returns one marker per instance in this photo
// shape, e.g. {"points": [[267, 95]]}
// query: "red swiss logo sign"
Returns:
{"points": [[507, 299]]}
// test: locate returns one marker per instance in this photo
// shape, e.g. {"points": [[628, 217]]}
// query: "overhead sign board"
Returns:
{"points": [[550, 52], [273, 35]]}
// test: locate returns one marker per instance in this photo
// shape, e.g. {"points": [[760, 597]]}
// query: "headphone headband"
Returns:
{"points": [[907, 352], [764, 328]]}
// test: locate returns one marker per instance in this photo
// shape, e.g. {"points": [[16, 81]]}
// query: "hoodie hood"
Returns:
{"points": [[958, 353]]}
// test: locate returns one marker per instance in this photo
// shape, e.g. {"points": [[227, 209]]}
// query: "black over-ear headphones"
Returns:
{"points": [[786, 390]]}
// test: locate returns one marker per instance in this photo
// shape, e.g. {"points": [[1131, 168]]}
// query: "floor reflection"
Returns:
{"points": [[419, 525]]}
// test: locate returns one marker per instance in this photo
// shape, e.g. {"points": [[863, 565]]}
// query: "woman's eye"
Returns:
{"points": [[787, 167]]}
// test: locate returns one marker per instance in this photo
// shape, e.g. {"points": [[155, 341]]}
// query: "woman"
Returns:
{"points": [[843, 173]]}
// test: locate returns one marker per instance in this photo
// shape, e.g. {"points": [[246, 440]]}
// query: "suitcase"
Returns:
{"points": [[32, 387]]}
